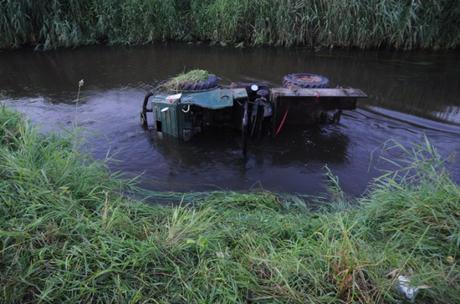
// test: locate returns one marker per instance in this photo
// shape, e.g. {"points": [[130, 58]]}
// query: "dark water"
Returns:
{"points": [[410, 95]]}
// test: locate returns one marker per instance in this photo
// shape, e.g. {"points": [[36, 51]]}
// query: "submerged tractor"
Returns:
{"points": [[192, 103]]}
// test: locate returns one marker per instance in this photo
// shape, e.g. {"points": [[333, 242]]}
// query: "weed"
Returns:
{"points": [[428, 24], [190, 77]]}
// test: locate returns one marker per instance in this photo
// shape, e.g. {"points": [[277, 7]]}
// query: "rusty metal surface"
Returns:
{"points": [[335, 92]]}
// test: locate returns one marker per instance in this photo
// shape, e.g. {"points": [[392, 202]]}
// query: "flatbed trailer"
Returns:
{"points": [[309, 106]]}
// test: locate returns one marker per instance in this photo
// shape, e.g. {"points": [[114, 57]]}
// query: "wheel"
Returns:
{"points": [[305, 80], [209, 83]]}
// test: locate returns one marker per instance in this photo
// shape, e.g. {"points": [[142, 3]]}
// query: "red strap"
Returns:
{"points": [[282, 122]]}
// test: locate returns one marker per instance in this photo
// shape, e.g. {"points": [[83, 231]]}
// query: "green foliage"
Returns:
{"points": [[343, 23], [66, 23], [10, 124], [68, 234], [190, 77]]}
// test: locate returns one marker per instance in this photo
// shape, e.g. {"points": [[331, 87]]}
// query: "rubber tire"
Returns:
{"points": [[295, 80], [209, 83]]}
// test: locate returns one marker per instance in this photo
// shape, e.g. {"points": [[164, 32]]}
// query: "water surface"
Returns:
{"points": [[411, 95]]}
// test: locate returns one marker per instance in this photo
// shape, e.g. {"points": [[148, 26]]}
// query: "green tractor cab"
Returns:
{"points": [[254, 109]]}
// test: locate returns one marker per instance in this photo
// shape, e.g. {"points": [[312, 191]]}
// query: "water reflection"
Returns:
{"points": [[293, 146], [328, 145]]}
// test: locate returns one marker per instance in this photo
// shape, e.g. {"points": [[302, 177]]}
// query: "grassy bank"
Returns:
{"points": [[428, 24], [68, 235]]}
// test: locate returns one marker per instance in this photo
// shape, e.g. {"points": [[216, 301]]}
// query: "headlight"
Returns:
{"points": [[254, 87]]}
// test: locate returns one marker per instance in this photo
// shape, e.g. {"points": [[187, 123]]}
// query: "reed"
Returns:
{"points": [[69, 233], [428, 24]]}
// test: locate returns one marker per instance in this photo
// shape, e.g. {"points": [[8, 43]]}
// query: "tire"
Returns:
{"points": [[207, 84], [305, 80]]}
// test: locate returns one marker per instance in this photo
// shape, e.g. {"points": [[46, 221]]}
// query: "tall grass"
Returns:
{"points": [[67, 234], [344, 23]]}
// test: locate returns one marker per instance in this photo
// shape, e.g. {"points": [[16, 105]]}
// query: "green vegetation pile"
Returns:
{"points": [[69, 233], [429, 24], [191, 77]]}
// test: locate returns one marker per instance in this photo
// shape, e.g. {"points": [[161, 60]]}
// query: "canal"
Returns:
{"points": [[411, 95]]}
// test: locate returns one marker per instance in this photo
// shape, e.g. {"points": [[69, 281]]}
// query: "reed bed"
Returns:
{"points": [[69, 234], [428, 24]]}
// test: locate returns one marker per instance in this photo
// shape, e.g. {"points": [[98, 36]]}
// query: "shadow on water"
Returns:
{"points": [[215, 160], [293, 146], [410, 95]]}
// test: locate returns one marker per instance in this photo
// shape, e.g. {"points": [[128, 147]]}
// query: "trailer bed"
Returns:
{"points": [[303, 104]]}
